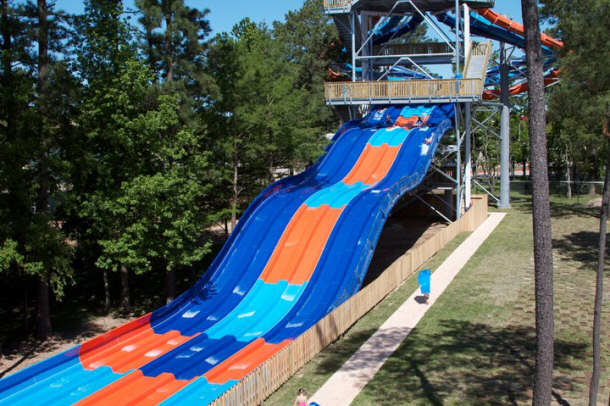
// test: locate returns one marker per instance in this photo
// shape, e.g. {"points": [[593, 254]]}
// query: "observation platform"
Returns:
{"points": [[469, 88], [398, 6]]}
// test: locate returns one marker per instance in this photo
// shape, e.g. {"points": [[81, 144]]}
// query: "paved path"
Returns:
{"points": [[343, 387]]}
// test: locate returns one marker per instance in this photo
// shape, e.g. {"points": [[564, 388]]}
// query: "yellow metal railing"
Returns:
{"points": [[403, 90], [336, 3], [264, 380]]}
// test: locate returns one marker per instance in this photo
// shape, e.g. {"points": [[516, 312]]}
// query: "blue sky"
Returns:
{"points": [[225, 13]]}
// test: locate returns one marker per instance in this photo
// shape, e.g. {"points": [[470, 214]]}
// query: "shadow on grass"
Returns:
{"points": [[580, 246], [476, 363], [572, 209], [389, 248]]}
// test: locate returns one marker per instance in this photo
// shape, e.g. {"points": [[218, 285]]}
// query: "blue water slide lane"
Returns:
{"points": [[199, 392], [397, 31]]}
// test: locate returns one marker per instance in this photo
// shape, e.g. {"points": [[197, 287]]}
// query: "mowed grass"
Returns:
{"points": [[476, 344]]}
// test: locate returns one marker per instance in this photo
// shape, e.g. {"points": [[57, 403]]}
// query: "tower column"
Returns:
{"points": [[504, 130]]}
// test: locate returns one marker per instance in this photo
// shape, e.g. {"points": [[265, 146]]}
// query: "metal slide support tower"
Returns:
{"points": [[357, 21]]}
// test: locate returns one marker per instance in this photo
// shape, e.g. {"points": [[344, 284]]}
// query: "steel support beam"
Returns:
{"points": [[504, 130], [467, 156]]}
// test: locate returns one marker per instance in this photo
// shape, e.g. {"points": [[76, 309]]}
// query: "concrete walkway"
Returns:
{"points": [[343, 387]]}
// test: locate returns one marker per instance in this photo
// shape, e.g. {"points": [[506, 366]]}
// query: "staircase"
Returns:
{"points": [[477, 61], [344, 28]]}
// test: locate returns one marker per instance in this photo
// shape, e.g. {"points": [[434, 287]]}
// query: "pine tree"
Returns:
{"points": [[32, 153], [580, 108], [541, 211]]}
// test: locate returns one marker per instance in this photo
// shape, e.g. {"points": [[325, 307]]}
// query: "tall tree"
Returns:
{"points": [[174, 41], [311, 42], [581, 108], [32, 155], [104, 156], [541, 212], [175, 48]]}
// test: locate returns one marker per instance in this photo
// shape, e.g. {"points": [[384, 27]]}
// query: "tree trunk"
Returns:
{"points": [[106, 290], [599, 285], [541, 212], [568, 175], [24, 305], [125, 303], [168, 50], [171, 285], [43, 315], [235, 190], [44, 328]]}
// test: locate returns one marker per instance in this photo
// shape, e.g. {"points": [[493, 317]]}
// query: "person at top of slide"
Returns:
{"points": [[301, 399]]}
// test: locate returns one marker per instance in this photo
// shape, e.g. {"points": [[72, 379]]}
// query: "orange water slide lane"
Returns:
{"points": [[134, 352], [113, 337], [244, 361], [136, 389], [549, 79], [515, 27], [300, 247], [373, 165]]}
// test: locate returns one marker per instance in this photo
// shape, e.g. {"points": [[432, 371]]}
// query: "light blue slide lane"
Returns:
{"points": [[392, 136], [336, 196], [198, 392], [261, 309], [72, 385]]}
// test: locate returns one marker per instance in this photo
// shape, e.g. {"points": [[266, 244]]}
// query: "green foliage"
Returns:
{"points": [[36, 117], [134, 140], [580, 105], [311, 42]]}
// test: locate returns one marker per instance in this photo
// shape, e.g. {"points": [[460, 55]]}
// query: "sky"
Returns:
{"points": [[226, 13]]}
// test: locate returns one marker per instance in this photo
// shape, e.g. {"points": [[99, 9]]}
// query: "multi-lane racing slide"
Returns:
{"points": [[301, 249]]}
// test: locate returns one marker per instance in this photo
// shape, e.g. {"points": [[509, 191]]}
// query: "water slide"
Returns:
{"points": [[489, 24], [300, 249]]}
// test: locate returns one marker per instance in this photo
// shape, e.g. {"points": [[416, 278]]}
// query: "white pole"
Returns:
{"points": [[467, 43], [468, 158]]}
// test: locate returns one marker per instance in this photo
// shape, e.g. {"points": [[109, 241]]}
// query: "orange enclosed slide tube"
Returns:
{"points": [[515, 27]]}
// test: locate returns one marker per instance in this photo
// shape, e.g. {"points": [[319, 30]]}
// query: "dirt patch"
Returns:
{"points": [[31, 351]]}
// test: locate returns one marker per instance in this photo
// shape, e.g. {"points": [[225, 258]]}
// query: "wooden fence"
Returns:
{"points": [[330, 4], [404, 90], [268, 377]]}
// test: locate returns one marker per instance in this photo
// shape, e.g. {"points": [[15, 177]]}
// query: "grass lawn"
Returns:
{"points": [[476, 344]]}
